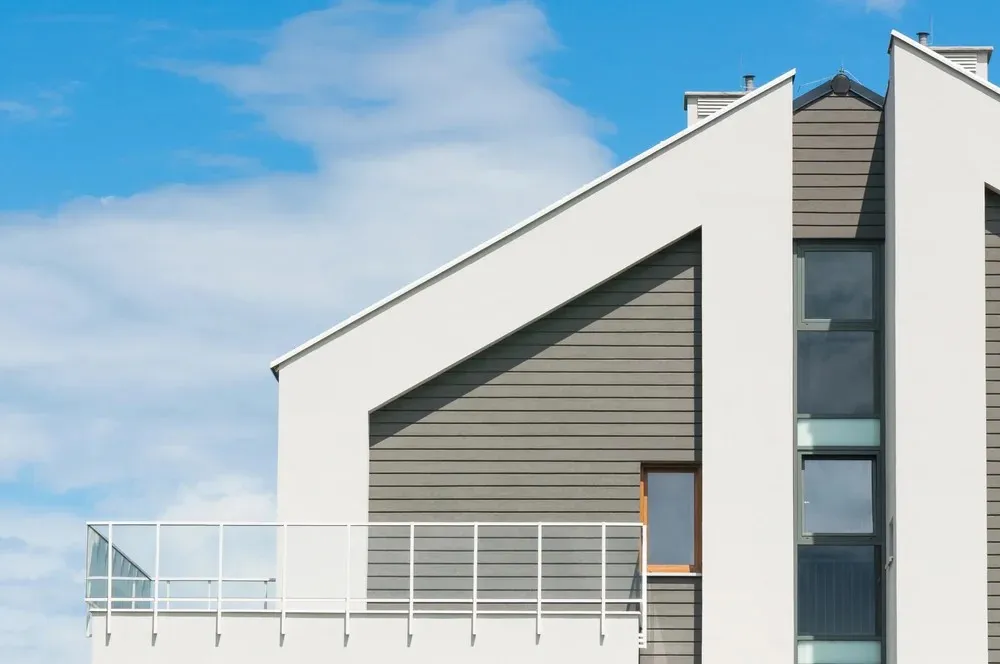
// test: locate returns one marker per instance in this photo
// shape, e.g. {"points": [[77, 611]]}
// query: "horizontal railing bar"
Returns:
{"points": [[186, 579], [388, 612], [341, 600], [400, 524]]}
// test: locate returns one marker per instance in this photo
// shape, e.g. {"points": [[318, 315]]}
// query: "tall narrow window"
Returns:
{"points": [[839, 447], [670, 506]]}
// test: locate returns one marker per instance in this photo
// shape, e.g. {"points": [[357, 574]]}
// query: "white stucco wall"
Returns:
{"points": [[889, 282], [733, 178], [946, 136], [747, 406], [319, 639]]}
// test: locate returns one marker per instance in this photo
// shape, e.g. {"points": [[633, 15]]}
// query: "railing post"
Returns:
{"points": [[409, 619], [538, 605], [604, 577], [475, 575], [111, 556], [347, 586], [644, 636], [218, 600], [284, 578], [156, 581]]}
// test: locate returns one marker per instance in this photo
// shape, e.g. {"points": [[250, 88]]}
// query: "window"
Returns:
{"points": [[838, 285], [836, 373], [670, 506], [839, 533], [837, 496]]}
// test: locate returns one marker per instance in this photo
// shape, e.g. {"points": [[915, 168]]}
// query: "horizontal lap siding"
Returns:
{"points": [[838, 170], [993, 416], [550, 424]]}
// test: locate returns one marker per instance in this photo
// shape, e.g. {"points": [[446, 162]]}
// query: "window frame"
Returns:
{"points": [[835, 453], [876, 325], [680, 469], [873, 325]]}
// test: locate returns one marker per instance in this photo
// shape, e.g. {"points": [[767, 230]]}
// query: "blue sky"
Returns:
{"points": [[191, 189]]}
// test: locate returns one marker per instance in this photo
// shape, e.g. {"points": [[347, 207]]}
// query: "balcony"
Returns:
{"points": [[447, 592]]}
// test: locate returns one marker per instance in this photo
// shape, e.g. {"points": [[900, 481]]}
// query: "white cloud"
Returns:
{"points": [[139, 329], [889, 7], [217, 161]]}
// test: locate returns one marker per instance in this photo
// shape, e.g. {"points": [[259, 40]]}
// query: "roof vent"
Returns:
{"points": [[973, 59], [700, 105]]}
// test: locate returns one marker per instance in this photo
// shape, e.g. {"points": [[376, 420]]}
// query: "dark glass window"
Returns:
{"points": [[837, 591], [837, 496], [839, 285], [836, 373], [669, 506]]}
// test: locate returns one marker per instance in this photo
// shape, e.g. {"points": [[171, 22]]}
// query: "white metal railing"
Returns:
{"points": [[197, 552]]}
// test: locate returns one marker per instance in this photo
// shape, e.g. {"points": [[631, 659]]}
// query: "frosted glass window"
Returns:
{"points": [[840, 652], [848, 433]]}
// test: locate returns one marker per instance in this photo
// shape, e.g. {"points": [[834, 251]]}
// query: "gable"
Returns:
{"points": [[839, 165]]}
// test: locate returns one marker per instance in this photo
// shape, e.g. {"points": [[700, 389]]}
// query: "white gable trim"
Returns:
{"points": [[929, 54], [522, 227]]}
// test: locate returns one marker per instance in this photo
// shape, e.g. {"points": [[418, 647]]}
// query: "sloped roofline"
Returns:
{"points": [[522, 227], [826, 88], [932, 55]]}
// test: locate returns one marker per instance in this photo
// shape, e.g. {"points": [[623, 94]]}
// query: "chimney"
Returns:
{"points": [[973, 59], [700, 105]]}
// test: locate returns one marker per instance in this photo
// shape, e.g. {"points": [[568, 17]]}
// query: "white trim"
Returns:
{"points": [[428, 279], [934, 56]]}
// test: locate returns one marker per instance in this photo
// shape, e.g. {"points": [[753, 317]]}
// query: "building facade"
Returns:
{"points": [[731, 402]]}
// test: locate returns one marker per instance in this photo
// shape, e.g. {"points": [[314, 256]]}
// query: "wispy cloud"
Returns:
{"points": [[45, 104], [886, 6], [143, 326], [889, 7], [218, 161]]}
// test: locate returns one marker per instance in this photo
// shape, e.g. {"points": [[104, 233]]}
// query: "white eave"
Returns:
{"points": [[934, 55], [520, 228]]}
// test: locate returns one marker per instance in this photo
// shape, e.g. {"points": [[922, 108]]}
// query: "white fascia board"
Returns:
{"points": [[942, 137], [519, 229]]}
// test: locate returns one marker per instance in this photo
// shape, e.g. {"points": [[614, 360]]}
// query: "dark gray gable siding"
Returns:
{"points": [[550, 424], [993, 415], [839, 169]]}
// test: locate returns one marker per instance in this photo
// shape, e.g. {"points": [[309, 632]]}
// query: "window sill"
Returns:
{"points": [[651, 573]]}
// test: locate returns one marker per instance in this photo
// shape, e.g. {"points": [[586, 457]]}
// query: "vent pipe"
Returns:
{"points": [[923, 38], [748, 83]]}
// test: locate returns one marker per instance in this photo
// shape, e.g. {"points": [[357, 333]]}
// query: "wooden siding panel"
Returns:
{"points": [[551, 424], [993, 418], [838, 170]]}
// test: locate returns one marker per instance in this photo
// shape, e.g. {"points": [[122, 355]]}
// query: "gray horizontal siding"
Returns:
{"points": [[550, 424], [838, 169], [993, 417], [674, 619]]}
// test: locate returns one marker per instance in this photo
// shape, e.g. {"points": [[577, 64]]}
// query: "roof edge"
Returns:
{"points": [[937, 58], [525, 225], [826, 88]]}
